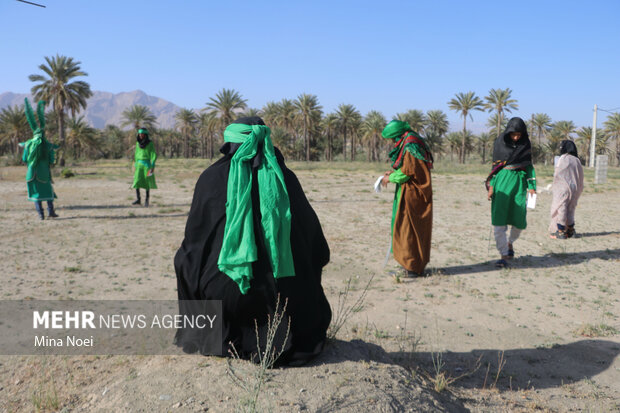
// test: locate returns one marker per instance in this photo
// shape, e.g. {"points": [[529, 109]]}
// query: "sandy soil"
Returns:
{"points": [[542, 335]]}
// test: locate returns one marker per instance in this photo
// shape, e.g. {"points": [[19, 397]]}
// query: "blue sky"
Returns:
{"points": [[558, 57]]}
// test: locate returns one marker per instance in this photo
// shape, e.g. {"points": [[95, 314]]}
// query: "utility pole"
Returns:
{"points": [[593, 140]]}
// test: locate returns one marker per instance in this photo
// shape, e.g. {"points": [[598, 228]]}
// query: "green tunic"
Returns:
{"points": [[510, 196], [39, 178], [145, 162]]}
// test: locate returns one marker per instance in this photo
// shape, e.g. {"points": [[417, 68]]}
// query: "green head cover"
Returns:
{"points": [[395, 129], [239, 245], [36, 144], [143, 130]]}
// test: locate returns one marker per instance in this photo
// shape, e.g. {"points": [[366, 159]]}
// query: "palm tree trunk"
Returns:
{"points": [[344, 146], [462, 154], [61, 135], [329, 145], [306, 140], [499, 121]]}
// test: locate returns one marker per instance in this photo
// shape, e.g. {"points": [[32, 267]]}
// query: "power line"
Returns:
{"points": [[34, 4], [609, 110]]}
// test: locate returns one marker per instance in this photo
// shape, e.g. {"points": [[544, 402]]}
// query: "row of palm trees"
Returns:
{"points": [[300, 128]]}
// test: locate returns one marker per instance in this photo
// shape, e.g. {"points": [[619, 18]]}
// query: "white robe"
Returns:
{"points": [[567, 187]]}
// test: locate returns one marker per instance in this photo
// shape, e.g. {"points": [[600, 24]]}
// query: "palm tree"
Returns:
{"points": [[496, 126], [347, 114], [186, 125], [485, 140], [138, 116], [415, 118], [542, 123], [584, 135], [552, 147], [113, 142], [308, 109], [224, 104], [564, 128], [58, 89], [612, 128], [436, 123], [81, 136], [251, 112], [499, 101], [435, 128], [454, 140], [282, 140], [286, 115], [270, 113], [330, 123], [465, 103], [13, 126], [207, 125], [372, 126]]}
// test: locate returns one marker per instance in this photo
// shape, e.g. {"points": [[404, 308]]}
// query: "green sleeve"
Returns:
{"points": [[492, 180], [153, 155], [531, 177], [25, 155], [398, 177]]}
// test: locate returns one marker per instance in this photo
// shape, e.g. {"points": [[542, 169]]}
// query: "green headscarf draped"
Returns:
{"points": [[36, 145], [239, 246], [406, 140], [395, 129]]}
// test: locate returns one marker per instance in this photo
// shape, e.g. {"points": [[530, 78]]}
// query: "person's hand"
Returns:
{"points": [[385, 180], [531, 191], [490, 193]]}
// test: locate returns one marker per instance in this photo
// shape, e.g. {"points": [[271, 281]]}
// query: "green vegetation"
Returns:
{"points": [[299, 127]]}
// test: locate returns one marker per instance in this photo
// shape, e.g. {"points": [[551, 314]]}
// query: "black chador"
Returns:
{"points": [[200, 278]]}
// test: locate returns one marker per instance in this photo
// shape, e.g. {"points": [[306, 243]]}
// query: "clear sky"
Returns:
{"points": [[558, 57]]}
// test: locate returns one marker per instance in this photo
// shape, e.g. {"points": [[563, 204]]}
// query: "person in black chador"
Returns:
{"points": [[265, 242]]}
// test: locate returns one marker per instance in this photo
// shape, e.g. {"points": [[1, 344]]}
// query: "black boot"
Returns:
{"points": [[146, 200], [570, 231], [39, 207], [50, 210], [137, 201]]}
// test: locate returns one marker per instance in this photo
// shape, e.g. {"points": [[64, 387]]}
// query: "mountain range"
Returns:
{"points": [[105, 108]]}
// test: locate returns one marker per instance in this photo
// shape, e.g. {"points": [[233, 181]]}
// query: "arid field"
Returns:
{"points": [[543, 335]]}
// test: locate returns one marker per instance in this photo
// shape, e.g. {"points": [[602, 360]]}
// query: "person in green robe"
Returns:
{"points": [[145, 157], [39, 154], [412, 209], [511, 178]]}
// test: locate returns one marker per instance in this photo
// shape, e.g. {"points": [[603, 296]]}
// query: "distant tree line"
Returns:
{"points": [[299, 127]]}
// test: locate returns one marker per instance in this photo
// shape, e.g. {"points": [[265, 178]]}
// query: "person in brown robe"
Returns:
{"points": [[412, 210]]}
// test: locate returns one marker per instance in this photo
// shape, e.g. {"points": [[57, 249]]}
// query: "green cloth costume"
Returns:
{"points": [[418, 149], [412, 209], [145, 164], [510, 196], [239, 246], [39, 154]]}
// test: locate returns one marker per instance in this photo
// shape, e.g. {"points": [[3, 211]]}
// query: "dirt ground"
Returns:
{"points": [[543, 335]]}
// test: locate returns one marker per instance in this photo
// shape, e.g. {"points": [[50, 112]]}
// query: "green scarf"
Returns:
{"points": [[406, 140], [239, 246], [37, 145]]}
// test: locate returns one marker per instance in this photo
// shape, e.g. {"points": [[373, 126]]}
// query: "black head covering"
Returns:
{"points": [[519, 153], [568, 147], [145, 141]]}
